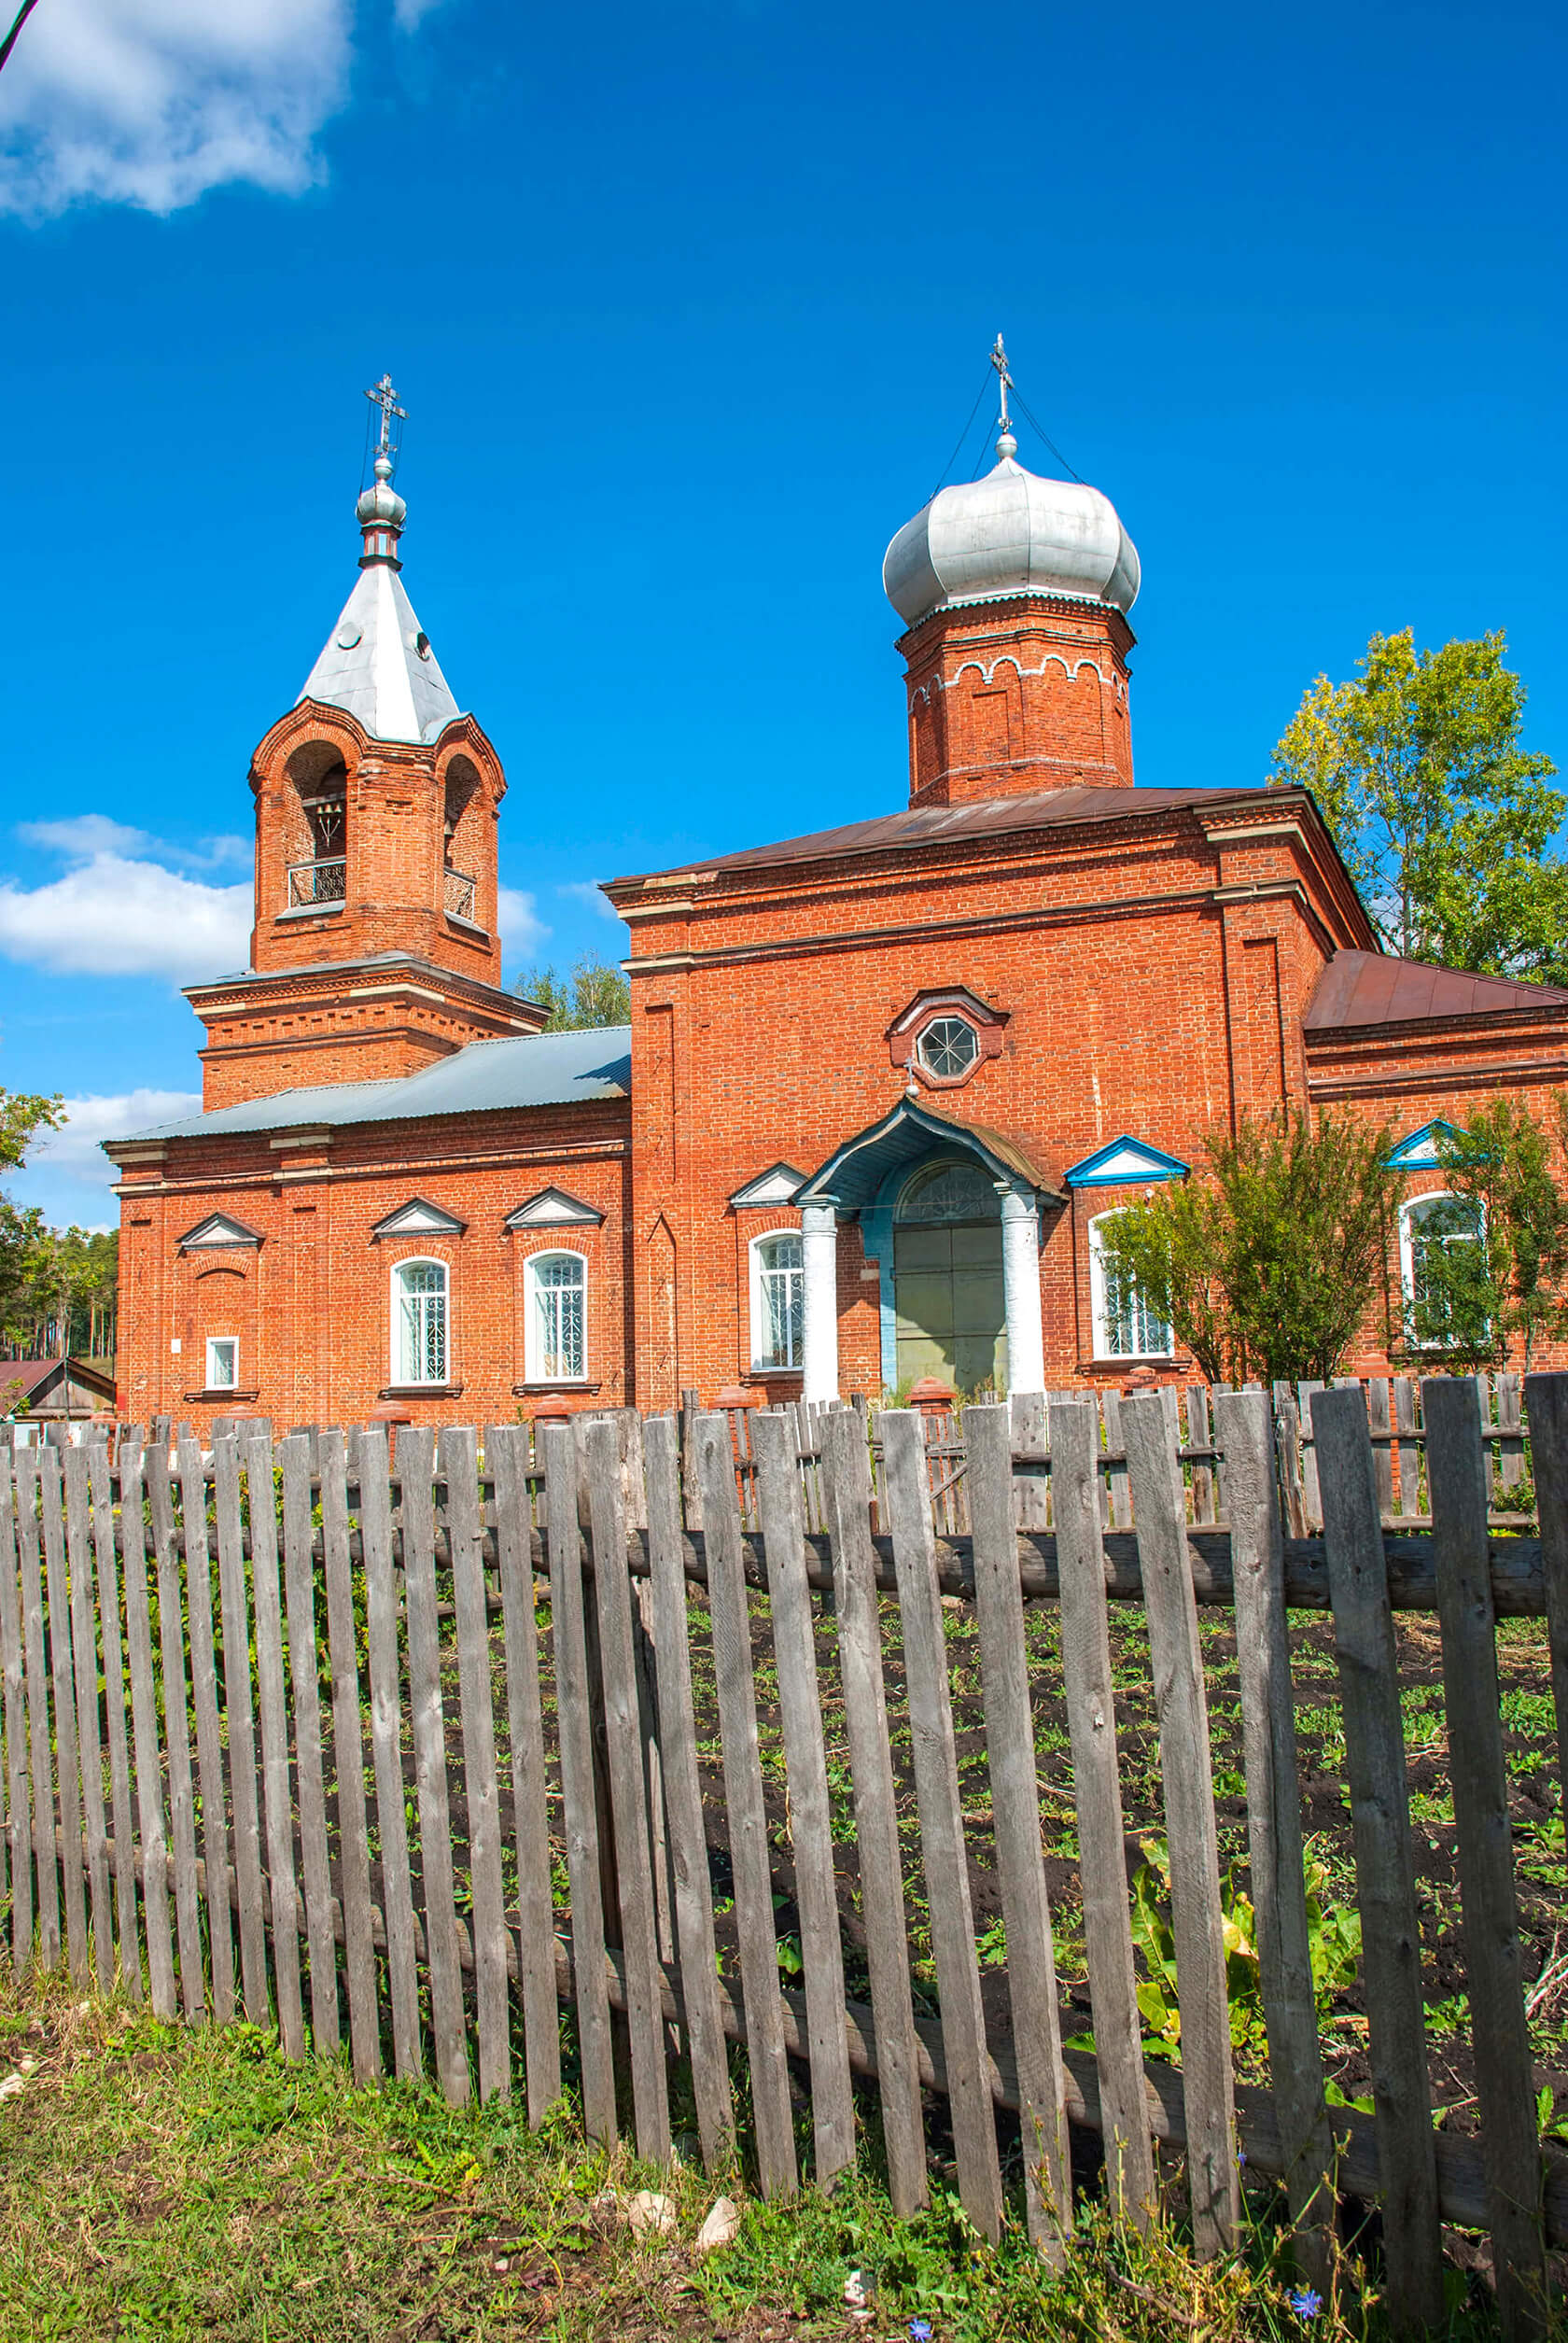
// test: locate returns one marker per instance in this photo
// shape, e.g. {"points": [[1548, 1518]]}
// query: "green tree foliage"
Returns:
{"points": [[595, 993], [57, 1285], [1266, 1267], [1491, 1263], [1444, 819]]}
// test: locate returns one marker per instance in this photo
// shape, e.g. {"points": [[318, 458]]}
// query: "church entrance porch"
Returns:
{"points": [[950, 1295], [949, 1212]]}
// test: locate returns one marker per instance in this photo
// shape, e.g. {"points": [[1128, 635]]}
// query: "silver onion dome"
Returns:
{"points": [[1010, 533], [381, 506]]}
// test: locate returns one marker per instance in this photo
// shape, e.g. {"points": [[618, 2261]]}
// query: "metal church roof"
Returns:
{"points": [[374, 667], [485, 1078], [1360, 989]]}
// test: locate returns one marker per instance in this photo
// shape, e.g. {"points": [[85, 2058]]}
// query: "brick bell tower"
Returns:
{"points": [[375, 948], [1014, 591]]}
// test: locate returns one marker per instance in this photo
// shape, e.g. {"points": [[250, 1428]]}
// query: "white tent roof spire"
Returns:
{"points": [[377, 663]]}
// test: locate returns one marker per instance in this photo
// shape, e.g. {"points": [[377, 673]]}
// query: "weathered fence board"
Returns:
{"points": [[84, 1652], [1031, 1963], [576, 1782], [846, 1467], [633, 1867], [123, 1855], [1385, 1870], [154, 1843], [688, 1837], [209, 1746], [294, 1456], [386, 1754], [66, 1748], [45, 1867], [19, 1831], [747, 1813], [240, 1716], [1505, 2074], [348, 1761], [459, 1469], [1186, 1767], [779, 1511], [1091, 1715], [428, 1718], [942, 1842], [505, 1451], [1242, 1428]]}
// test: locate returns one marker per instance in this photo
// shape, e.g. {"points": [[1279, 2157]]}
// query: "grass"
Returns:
{"points": [[159, 2182]]}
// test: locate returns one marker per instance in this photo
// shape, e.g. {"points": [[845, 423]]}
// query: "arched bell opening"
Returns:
{"points": [[316, 825]]}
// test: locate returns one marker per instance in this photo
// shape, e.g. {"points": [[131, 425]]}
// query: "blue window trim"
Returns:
{"points": [[1154, 1164], [1417, 1152]]}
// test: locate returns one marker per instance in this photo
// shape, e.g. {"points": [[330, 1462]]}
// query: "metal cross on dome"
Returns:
{"points": [[386, 397], [999, 359]]}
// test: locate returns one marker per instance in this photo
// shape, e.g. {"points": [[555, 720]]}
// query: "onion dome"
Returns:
{"points": [[381, 506], [1009, 534]]}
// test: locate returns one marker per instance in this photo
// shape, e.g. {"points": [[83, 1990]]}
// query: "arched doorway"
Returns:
{"points": [[948, 1278]]}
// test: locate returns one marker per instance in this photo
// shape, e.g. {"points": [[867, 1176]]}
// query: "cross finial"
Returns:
{"points": [[1007, 443], [386, 397]]}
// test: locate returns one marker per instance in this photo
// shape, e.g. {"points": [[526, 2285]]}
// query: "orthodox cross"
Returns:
{"points": [[386, 397], [999, 359]]}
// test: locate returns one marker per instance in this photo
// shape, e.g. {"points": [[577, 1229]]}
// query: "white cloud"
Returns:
{"points": [[113, 916], [410, 13], [520, 927], [588, 891], [153, 102], [73, 1150], [80, 837]]}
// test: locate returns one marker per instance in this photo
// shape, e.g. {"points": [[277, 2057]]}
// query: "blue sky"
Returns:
{"points": [[688, 307]]}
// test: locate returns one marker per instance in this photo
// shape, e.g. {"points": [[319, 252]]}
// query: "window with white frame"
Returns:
{"points": [[223, 1362], [778, 1299], [1426, 1224], [557, 1298], [1124, 1325], [419, 1322]]}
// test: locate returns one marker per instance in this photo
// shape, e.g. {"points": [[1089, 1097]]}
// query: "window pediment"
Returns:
{"points": [[418, 1217], [776, 1185], [218, 1229], [1418, 1150], [553, 1208], [1123, 1161]]}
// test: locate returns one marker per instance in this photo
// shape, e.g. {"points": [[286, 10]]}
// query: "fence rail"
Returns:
{"points": [[408, 1753]]}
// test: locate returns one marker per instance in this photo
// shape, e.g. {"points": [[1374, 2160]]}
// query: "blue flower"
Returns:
{"points": [[1305, 2302], [920, 2331]]}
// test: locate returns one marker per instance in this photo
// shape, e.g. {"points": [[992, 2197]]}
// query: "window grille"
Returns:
{"points": [[948, 1048], [421, 1323], [779, 1301], [560, 1347], [1427, 1225], [1124, 1326]]}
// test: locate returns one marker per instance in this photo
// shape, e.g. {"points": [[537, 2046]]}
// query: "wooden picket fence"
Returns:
{"points": [[284, 1736]]}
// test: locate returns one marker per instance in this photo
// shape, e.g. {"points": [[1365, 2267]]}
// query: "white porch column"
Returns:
{"points": [[819, 1334], [1020, 1284]]}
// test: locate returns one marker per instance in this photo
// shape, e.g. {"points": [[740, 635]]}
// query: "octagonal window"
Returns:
{"points": [[948, 1048]]}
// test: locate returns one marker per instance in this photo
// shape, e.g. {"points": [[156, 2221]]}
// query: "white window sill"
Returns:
{"points": [[314, 910]]}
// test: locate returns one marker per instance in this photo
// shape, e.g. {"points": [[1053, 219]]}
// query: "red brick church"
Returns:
{"points": [[879, 1084]]}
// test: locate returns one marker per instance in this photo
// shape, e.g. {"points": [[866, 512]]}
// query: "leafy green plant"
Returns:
{"points": [[1266, 1267], [1334, 1938]]}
